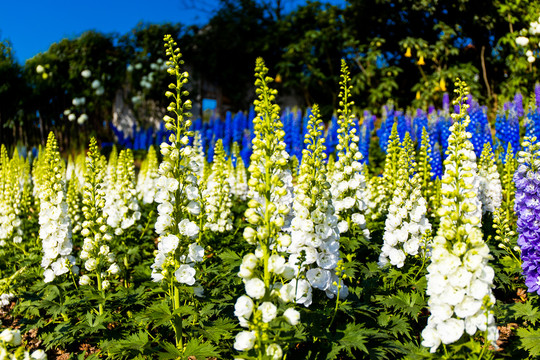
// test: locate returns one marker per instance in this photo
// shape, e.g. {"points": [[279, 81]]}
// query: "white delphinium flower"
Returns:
{"points": [[5, 299], [55, 226], [121, 202], [348, 183], [86, 73], [74, 199], [10, 347], [95, 252], [11, 337], [490, 183], [13, 175], [178, 196], [217, 194], [270, 194], [198, 157], [314, 248], [237, 175], [147, 179], [459, 279], [406, 223]]}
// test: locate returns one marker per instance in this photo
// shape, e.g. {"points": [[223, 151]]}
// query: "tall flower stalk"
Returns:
{"points": [[460, 280], [527, 207], [406, 225], [348, 180], [217, 194], [12, 176], [270, 200], [315, 236], [99, 258], [178, 198], [55, 225]]}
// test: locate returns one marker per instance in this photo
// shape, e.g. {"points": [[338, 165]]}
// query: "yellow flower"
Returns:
{"points": [[408, 52], [278, 78], [421, 61], [442, 84], [418, 95]]}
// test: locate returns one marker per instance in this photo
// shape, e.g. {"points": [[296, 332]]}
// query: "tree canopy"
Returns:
{"points": [[405, 51]]}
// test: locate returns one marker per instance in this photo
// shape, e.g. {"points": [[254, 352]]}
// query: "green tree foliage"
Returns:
{"points": [[12, 91], [406, 51]]}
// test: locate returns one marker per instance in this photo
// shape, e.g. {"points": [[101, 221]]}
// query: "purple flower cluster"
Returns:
{"points": [[527, 207]]}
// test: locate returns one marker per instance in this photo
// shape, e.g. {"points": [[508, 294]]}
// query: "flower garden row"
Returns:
{"points": [[250, 241]]}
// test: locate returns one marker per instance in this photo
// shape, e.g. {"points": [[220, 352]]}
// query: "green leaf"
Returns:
{"points": [[530, 340], [200, 350], [133, 344], [527, 311], [355, 336]]}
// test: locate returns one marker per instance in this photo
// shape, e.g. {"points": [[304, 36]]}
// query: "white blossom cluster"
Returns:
{"points": [[96, 253], [121, 204], [167, 225], [217, 194], [406, 223], [12, 177], [524, 39], [237, 176], [349, 193], [5, 299], [73, 199], [460, 279], [270, 201], [197, 157], [405, 227], [55, 225], [490, 192], [314, 247], [12, 338], [147, 178], [375, 195], [178, 193], [76, 168], [348, 182]]}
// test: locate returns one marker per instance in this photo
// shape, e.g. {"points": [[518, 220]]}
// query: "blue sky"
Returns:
{"points": [[32, 25]]}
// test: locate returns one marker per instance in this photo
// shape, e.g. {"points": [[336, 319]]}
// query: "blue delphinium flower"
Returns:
{"points": [[420, 121], [532, 122], [513, 126], [297, 142], [403, 124], [331, 139], [210, 151], [288, 127], [239, 126], [477, 127], [386, 126], [246, 151], [364, 134], [443, 126], [227, 133]]}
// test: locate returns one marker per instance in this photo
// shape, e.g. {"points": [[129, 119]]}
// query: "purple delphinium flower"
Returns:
{"points": [[518, 104], [537, 94], [446, 102], [527, 207]]}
